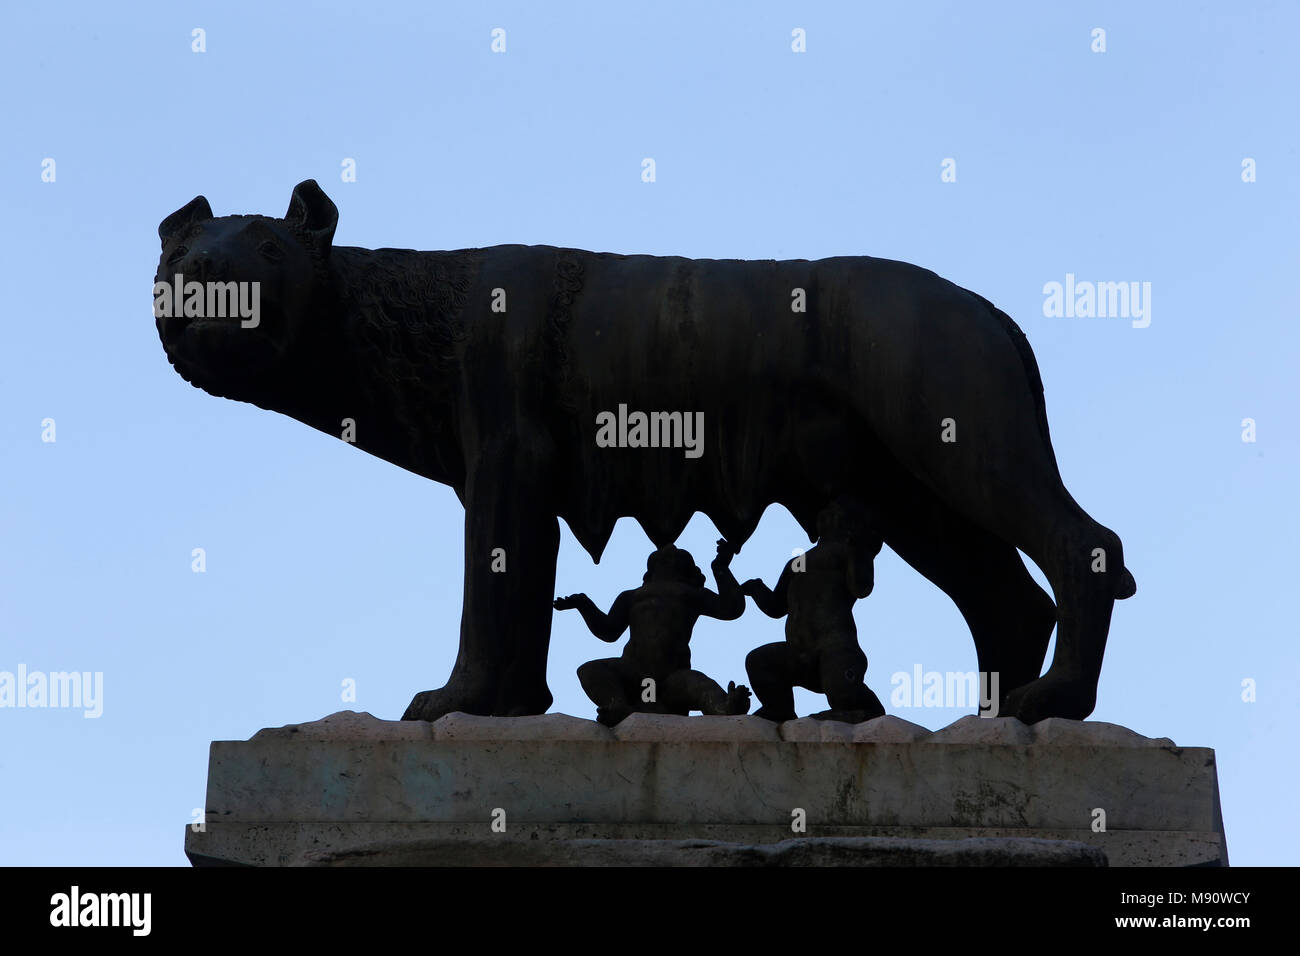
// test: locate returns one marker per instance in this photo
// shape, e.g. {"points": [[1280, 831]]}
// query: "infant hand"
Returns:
{"points": [[567, 603]]}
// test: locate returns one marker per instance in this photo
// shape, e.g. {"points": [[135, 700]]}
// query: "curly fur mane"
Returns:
{"points": [[402, 314]]}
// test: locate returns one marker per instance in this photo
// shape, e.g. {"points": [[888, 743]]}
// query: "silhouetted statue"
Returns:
{"points": [[654, 674], [815, 594], [544, 383]]}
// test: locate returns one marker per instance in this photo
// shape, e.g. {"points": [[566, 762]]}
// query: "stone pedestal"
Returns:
{"points": [[557, 790]]}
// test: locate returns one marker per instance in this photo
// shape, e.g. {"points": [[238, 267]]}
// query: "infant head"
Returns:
{"points": [[671, 563]]}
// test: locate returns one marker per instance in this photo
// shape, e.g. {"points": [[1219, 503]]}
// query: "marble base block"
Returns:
{"points": [[353, 790]]}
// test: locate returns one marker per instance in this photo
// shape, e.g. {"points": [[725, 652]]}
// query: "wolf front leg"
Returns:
{"points": [[512, 537]]}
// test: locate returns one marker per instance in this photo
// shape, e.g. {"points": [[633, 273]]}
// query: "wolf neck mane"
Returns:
{"points": [[399, 324]]}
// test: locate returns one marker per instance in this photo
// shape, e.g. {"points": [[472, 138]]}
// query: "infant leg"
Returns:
{"points": [[842, 671], [605, 682], [687, 690], [771, 675]]}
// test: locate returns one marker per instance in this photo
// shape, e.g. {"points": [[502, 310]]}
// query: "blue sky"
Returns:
{"points": [[326, 565]]}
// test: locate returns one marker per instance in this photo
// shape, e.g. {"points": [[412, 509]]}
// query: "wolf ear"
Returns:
{"points": [[315, 213], [193, 211]]}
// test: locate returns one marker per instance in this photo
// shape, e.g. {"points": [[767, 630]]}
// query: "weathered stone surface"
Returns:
{"points": [[460, 726], [983, 730], [349, 725], [832, 851], [1060, 731], [889, 730], [672, 728], [288, 843], [354, 725], [339, 787], [813, 730]]}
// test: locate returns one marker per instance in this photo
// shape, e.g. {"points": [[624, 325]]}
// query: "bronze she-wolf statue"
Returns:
{"points": [[544, 383]]}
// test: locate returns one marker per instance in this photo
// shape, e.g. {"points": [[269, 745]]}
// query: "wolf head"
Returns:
{"points": [[246, 290]]}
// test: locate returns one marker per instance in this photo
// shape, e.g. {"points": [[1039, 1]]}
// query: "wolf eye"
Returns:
{"points": [[176, 256], [271, 251]]}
